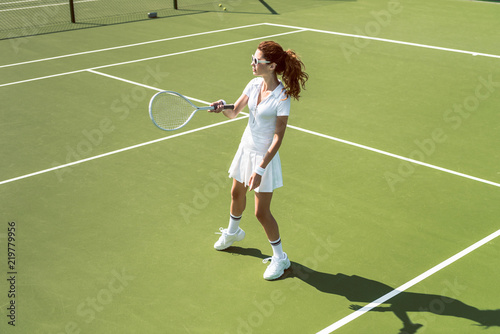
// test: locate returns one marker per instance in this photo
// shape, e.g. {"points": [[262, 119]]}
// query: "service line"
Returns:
{"points": [[151, 58], [127, 46]]}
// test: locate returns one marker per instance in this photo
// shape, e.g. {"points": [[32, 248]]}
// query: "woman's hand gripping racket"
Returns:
{"points": [[171, 111]]}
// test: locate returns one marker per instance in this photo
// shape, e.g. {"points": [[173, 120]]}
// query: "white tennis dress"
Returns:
{"points": [[258, 137]]}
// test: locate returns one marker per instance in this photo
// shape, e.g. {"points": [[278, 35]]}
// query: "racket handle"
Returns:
{"points": [[226, 106]]}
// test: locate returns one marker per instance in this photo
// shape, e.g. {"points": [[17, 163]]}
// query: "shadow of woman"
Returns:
{"points": [[362, 290]]}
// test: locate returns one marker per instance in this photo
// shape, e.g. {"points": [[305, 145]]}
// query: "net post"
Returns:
{"points": [[72, 11], [175, 4]]}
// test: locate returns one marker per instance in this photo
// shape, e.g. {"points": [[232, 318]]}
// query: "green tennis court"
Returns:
{"points": [[390, 164]]}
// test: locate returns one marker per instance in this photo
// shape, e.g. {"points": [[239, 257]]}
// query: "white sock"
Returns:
{"points": [[277, 249], [234, 224]]}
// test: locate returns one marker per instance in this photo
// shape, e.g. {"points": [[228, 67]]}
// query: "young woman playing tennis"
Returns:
{"points": [[256, 165]]}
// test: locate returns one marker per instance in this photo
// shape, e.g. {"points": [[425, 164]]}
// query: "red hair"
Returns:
{"points": [[288, 65]]}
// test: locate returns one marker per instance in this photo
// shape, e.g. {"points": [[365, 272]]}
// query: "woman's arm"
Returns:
{"points": [[238, 106], [279, 133]]}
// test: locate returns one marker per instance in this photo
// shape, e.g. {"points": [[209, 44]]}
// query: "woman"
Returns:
{"points": [[256, 165]]}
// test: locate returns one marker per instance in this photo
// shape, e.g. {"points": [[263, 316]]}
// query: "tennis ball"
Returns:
{"points": [[220, 5], [224, 8]]}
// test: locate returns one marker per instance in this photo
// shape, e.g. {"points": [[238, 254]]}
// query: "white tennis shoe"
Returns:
{"points": [[226, 239], [277, 267]]}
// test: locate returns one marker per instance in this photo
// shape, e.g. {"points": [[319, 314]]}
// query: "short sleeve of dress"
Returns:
{"points": [[284, 106], [248, 89]]}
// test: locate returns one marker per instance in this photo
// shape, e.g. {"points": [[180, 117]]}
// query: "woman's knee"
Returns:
{"points": [[238, 192], [263, 207], [262, 214]]}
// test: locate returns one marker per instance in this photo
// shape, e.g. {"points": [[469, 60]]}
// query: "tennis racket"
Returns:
{"points": [[171, 111]]}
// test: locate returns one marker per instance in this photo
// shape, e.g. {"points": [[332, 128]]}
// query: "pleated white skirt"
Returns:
{"points": [[244, 163]]}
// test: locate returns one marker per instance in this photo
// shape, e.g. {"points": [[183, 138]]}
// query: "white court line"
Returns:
{"points": [[40, 6], [387, 40], [139, 84], [125, 80], [41, 78], [119, 151], [409, 284], [151, 58], [396, 156], [129, 147], [129, 45]]}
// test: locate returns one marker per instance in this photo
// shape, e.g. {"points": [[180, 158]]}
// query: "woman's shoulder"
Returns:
{"points": [[253, 85], [256, 81]]}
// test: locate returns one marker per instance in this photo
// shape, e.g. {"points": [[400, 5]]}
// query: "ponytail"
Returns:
{"points": [[288, 65], [294, 77]]}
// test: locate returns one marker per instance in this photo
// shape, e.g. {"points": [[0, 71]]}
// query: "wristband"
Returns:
{"points": [[223, 102], [259, 170]]}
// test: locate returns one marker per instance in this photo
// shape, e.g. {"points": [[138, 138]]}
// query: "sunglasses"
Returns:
{"points": [[256, 61]]}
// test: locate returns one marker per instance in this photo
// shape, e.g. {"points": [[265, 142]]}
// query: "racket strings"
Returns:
{"points": [[170, 111]]}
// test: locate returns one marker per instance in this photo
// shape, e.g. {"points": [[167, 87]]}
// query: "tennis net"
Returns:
{"points": [[19, 18]]}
